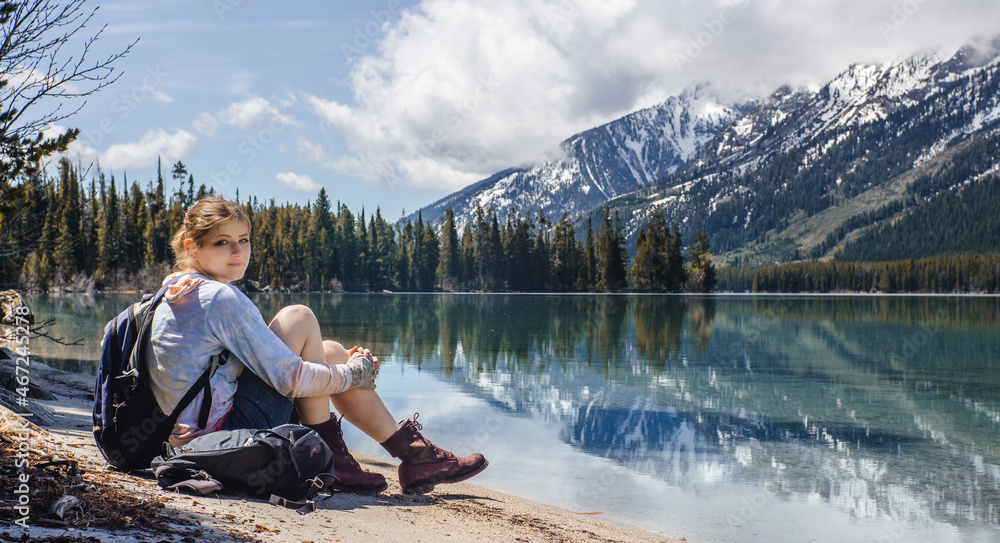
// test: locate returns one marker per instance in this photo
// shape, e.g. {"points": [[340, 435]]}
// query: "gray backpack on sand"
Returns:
{"points": [[291, 463]]}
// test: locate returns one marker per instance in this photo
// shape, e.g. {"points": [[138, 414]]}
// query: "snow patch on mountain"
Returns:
{"points": [[604, 162]]}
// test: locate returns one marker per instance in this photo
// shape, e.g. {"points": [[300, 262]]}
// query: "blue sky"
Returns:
{"points": [[395, 104]]}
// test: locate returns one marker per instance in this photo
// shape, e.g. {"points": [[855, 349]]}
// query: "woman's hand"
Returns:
{"points": [[364, 368]]}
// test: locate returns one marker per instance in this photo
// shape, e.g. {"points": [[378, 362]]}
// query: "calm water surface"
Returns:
{"points": [[717, 418]]}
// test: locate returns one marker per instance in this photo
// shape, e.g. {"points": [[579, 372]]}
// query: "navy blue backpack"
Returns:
{"points": [[129, 426]]}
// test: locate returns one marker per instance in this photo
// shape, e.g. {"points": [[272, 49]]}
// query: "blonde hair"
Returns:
{"points": [[204, 216]]}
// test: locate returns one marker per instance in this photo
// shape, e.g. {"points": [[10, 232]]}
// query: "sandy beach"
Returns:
{"points": [[458, 512]]}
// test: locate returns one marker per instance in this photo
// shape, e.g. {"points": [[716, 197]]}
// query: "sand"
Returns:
{"points": [[452, 513]]}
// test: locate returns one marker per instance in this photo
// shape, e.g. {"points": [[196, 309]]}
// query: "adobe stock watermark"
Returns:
{"points": [[222, 7], [381, 169], [456, 116], [125, 104], [714, 28], [22, 492], [593, 497], [750, 508], [918, 340], [248, 149], [901, 15], [22, 435], [475, 440], [558, 15], [893, 535], [366, 34]]}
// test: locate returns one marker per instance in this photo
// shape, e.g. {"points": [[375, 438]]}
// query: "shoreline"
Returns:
{"points": [[835, 293], [454, 512]]}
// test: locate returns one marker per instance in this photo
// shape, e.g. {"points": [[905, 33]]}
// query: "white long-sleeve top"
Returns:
{"points": [[211, 317]]}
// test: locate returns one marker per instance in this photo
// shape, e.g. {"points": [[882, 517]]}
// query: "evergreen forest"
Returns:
{"points": [[74, 234]]}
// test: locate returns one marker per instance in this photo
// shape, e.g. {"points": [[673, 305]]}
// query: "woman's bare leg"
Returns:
{"points": [[297, 327], [361, 407], [423, 465]]}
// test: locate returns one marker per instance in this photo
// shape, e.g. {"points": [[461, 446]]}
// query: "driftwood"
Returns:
{"points": [[21, 398], [10, 300], [40, 414]]}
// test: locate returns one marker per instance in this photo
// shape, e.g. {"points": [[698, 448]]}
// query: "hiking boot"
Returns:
{"points": [[425, 465], [351, 477]]}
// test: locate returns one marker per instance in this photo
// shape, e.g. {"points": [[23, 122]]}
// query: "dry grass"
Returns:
{"points": [[53, 476], [101, 505]]}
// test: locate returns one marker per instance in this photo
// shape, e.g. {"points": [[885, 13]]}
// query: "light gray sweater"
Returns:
{"points": [[216, 316]]}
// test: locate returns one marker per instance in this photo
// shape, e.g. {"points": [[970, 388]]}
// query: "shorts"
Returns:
{"points": [[257, 406]]}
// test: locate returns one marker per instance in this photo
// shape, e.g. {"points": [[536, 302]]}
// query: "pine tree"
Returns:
{"points": [[155, 223], [467, 265], [480, 260], [108, 256], [449, 261], [701, 271], [659, 241], [431, 252], [320, 234], [541, 260], [495, 252], [133, 242], [190, 200], [641, 275], [91, 223], [347, 241], [177, 173], [385, 259], [517, 253], [591, 275], [568, 261], [610, 249], [370, 249], [403, 260], [675, 275], [68, 257]]}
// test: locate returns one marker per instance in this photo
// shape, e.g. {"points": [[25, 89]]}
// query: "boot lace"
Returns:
{"points": [[436, 450], [342, 448]]}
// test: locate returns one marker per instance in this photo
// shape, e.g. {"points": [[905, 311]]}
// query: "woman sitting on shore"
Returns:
{"points": [[274, 368]]}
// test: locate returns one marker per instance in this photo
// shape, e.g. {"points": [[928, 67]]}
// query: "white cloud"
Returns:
{"points": [[205, 124], [313, 153], [161, 96], [457, 89], [144, 153], [253, 113], [298, 182]]}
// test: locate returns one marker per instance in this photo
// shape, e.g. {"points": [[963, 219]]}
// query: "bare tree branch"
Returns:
{"points": [[38, 330], [36, 68]]}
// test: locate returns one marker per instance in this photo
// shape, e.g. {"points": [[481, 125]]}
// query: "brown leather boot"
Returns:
{"points": [[425, 465], [349, 473]]}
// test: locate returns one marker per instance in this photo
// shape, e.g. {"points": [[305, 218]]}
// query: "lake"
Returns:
{"points": [[716, 418]]}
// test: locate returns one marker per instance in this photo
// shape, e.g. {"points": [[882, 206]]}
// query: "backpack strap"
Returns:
{"points": [[302, 507], [206, 403], [187, 480], [218, 361], [320, 483]]}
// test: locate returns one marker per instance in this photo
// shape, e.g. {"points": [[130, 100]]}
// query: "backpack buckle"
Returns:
{"points": [[133, 377], [132, 372]]}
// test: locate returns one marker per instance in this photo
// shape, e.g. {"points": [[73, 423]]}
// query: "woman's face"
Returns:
{"points": [[225, 252]]}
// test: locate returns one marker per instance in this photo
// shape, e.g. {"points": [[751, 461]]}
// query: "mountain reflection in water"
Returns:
{"points": [[883, 407]]}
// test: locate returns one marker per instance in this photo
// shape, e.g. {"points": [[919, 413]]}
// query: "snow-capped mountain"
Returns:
{"points": [[862, 94], [778, 183], [604, 162], [797, 174]]}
